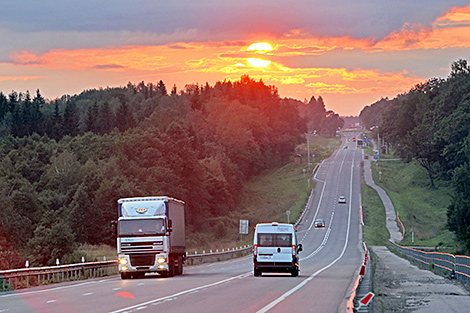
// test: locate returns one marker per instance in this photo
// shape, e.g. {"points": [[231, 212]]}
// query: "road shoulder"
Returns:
{"points": [[400, 286]]}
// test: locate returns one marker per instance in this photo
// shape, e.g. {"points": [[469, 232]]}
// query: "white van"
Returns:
{"points": [[276, 249]]}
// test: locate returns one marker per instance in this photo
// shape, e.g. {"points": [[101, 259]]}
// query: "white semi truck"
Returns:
{"points": [[151, 236]]}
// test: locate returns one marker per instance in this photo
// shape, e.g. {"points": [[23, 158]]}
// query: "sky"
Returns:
{"points": [[352, 53]]}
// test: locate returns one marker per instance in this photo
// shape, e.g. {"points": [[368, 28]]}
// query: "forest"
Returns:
{"points": [[66, 161], [431, 124]]}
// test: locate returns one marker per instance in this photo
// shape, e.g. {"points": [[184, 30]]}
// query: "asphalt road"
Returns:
{"points": [[329, 263]]}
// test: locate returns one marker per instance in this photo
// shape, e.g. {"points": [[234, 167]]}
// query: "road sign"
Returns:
{"points": [[366, 299], [244, 227]]}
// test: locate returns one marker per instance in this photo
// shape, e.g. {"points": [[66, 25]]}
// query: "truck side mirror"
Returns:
{"points": [[170, 226], [299, 248], [114, 227]]}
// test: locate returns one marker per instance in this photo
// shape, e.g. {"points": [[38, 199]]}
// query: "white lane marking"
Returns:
{"points": [[304, 282], [50, 301], [51, 289], [87, 294], [321, 196], [139, 306]]}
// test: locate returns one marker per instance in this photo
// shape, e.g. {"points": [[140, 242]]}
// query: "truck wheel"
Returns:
{"points": [[257, 273], [295, 272], [125, 276], [179, 268], [171, 270]]}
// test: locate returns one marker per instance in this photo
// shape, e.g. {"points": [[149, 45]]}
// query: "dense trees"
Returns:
{"points": [[66, 162], [319, 120], [431, 123]]}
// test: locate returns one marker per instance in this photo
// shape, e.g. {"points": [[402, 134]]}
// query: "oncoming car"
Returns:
{"points": [[319, 223], [275, 249], [341, 199]]}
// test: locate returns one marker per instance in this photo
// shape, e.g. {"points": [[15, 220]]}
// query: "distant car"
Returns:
{"points": [[341, 199], [345, 147], [319, 223]]}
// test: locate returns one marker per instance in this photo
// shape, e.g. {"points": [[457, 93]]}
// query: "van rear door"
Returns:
{"points": [[274, 247]]}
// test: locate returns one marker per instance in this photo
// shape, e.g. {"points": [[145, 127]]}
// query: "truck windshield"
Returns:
{"points": [[274, 240], [141, 227]]}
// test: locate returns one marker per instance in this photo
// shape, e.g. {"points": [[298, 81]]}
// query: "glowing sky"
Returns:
{"points": [[352, 53]]}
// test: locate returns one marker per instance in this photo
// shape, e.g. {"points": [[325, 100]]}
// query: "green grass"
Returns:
{"points": [[421, 209], [268, 197], [98, 252], [375, 232]]}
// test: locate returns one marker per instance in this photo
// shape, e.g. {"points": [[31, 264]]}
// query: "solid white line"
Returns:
{"points": [[46, 290], [303, 283], [138, 306]]}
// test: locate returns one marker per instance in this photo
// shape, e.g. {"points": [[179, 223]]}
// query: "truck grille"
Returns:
{"points": [[136, 247], [142, 259]]}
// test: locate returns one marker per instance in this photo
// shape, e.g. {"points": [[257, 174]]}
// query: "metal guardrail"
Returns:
{"points": [[455, 266], [462, 268], [35, 276]]}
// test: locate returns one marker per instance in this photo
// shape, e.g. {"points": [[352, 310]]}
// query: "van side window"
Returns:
{"points": [[274, 240]]}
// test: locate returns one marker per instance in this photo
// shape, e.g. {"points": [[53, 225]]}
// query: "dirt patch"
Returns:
{"points": [[400, 286]]}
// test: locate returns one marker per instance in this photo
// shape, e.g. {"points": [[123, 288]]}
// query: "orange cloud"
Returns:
{"points": [[24, 78], [452, 30], [455, 17]]}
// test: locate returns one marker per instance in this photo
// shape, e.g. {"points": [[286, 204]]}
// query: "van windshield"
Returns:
{"points": [[274, 240]]}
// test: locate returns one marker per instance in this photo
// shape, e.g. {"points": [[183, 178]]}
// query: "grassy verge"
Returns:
{"points": [[375, 232], [98, 253], [422, 210]]}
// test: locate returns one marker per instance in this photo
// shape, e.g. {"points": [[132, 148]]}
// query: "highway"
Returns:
{"points": [[329, 263]]}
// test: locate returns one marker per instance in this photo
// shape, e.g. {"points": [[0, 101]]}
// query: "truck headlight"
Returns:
{"points": [[123, 261], [161, 260]]}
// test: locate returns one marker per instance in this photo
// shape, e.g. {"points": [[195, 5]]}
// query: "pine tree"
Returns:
{"points": [[70, 123], [106, 119], [124, 118], [162, 88]]}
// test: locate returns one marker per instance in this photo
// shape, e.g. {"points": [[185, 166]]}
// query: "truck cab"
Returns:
{"points": [[275, 249]]}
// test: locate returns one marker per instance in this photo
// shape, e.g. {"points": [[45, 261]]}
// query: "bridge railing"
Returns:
{"points": [[34, 276]]}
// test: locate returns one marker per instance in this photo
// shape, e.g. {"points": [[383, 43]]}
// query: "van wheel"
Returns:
{"points": [[125, 276], [257, 273], [295, 273]]}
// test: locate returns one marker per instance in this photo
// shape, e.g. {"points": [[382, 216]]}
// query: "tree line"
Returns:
{"points": [[431, 124], [65, 162]]}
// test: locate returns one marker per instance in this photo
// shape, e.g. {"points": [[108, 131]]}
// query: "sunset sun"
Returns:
{"points": [[261, 48]]}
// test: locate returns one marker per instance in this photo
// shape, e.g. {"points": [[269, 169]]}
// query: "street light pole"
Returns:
{"points": [[308, 150]]}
